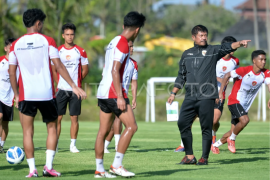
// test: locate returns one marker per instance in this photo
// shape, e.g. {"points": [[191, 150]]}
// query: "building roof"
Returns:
{"points": [[246, 26], [261, 4], [243, 29]]}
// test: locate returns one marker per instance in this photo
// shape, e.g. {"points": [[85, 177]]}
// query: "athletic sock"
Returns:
{"points": [[73, 142], [213, 133], [2, 143], [233, 136], [99, 165], [213, 139], [0, 139], [49, 158], [218, 143], [116, 138], [118, 160], [31, 164], [106, 144], [182, 143]]}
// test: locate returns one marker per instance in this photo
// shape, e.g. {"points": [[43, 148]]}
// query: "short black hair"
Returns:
{"points": [[134, 19], [198, 28], [31, 16], [68, 26], [256, 53], [228, 39], [9, 41]]}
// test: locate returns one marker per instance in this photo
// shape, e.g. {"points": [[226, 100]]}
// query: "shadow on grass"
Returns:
{"points": [[17, 167], [40, 148], [80, 149], [168, 172], [63, 149], [255, 150], [242, 160], [79, 173], [149, 150]]}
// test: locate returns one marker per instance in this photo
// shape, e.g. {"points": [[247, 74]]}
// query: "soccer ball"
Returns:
{"points": [[15, 155]]}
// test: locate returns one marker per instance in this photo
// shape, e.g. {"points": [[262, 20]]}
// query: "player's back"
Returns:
{"points": [[117, 50], [32, 54]]}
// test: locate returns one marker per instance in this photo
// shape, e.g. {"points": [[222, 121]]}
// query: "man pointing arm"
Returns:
{"points": [[197, 71]]}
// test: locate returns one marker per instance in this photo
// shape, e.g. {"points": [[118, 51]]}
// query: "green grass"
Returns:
{"points": [[150, 154]]}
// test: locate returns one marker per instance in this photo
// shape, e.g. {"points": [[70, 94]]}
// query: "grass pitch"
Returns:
{"points": [[150, 155]]}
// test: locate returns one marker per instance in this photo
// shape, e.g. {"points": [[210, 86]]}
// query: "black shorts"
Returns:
{"points": [[110, 105], [220, 105], [48, 109], [65, 97], [237, 111], [7, 112]]}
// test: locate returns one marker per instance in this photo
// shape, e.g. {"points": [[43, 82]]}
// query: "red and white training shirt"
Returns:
{"points": [[117, 50], [247, 85], [73, 59], [131, 73], [6, 92], [32, 53], [224, 66]]}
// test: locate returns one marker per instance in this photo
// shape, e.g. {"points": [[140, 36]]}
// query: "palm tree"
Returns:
{"points": [[60, 12], [7, 21]]}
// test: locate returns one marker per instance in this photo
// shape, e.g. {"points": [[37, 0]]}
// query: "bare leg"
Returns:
{"points": [[217, 115], [110, 135], [51, 144], [59, 125], [28, 133], [109, 139], [117, 131], [5, 130], [128, 120], [227, 134], [52, 135], [243, 121], [74, 128], [104, 128], [117, 126], [28, 144]]}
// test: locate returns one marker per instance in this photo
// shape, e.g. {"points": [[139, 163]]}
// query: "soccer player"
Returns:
{"points": [[131, 75], [224, 65], [6, 95], [244, 91], [32, 54], [197, 71], [112, 97], [75, 60]]}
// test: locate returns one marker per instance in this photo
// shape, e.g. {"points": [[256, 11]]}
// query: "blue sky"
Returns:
{"points": [[229, 4]]}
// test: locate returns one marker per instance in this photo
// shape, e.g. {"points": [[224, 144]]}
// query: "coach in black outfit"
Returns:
{"points": [[197, 71]]}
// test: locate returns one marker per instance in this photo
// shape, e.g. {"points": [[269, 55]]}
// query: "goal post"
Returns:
{"points": [[150, 95], [150, 98], [262, 103]]}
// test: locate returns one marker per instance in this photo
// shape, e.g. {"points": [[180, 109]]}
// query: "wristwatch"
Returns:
{"points": [[173, 93]]}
